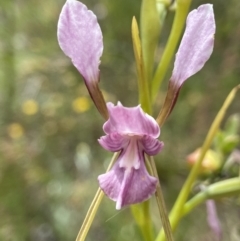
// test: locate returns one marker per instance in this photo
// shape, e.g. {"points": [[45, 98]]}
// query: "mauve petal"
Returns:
{"points": [[80, 38], [197, 44], [195, 49], [128, 186], [113, 142], [130, 121], [151, 146]]}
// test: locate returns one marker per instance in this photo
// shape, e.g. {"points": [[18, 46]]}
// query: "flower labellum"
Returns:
{"points": [[133, 133], [80, 38], [195, 49]]}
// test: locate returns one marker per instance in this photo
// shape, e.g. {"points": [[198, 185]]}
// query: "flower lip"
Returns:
{"points": [[128, 182]]}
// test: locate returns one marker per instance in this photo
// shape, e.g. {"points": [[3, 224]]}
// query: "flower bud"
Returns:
{"points": [[210, 163]]}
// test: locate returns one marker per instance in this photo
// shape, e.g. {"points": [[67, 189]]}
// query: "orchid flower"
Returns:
{"points": [[133, 133], [129, 130]]}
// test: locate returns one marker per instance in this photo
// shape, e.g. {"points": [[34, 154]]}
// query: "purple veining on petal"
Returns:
{"points": [[133, 133], [195, 49], [80, 38]]}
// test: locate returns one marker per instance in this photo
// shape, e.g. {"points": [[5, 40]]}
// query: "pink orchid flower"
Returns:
{"points": [[133, 133], [129, 130]]}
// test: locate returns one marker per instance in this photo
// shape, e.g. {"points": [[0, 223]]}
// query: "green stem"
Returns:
{"points": [[161, 203], [178, 24], [177, 210], [194, 202], [224, 188], [151, 21], [143, 87], [141, 214], [93, 208]]}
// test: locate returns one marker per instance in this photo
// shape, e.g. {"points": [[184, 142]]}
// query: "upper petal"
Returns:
{"points": [[197, 43], [80, 38], [195, 49], [131, 121]]}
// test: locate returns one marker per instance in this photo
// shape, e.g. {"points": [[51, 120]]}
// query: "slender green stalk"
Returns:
{"points": [[194, 202], [151, 21], [141, 214], [224, 188], [143, 87], [93, 208], [178, 24], [177, 210], [161, 203]]}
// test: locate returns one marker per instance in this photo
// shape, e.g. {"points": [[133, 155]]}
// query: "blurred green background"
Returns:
{"points": [[49, 154]]}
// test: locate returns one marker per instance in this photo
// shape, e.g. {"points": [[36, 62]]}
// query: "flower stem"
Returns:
{"points": [[178, 24], [143, 219], [143, 86], [223, 188], [161, 203], [177, 209], [151, 22], [93, 208]]}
